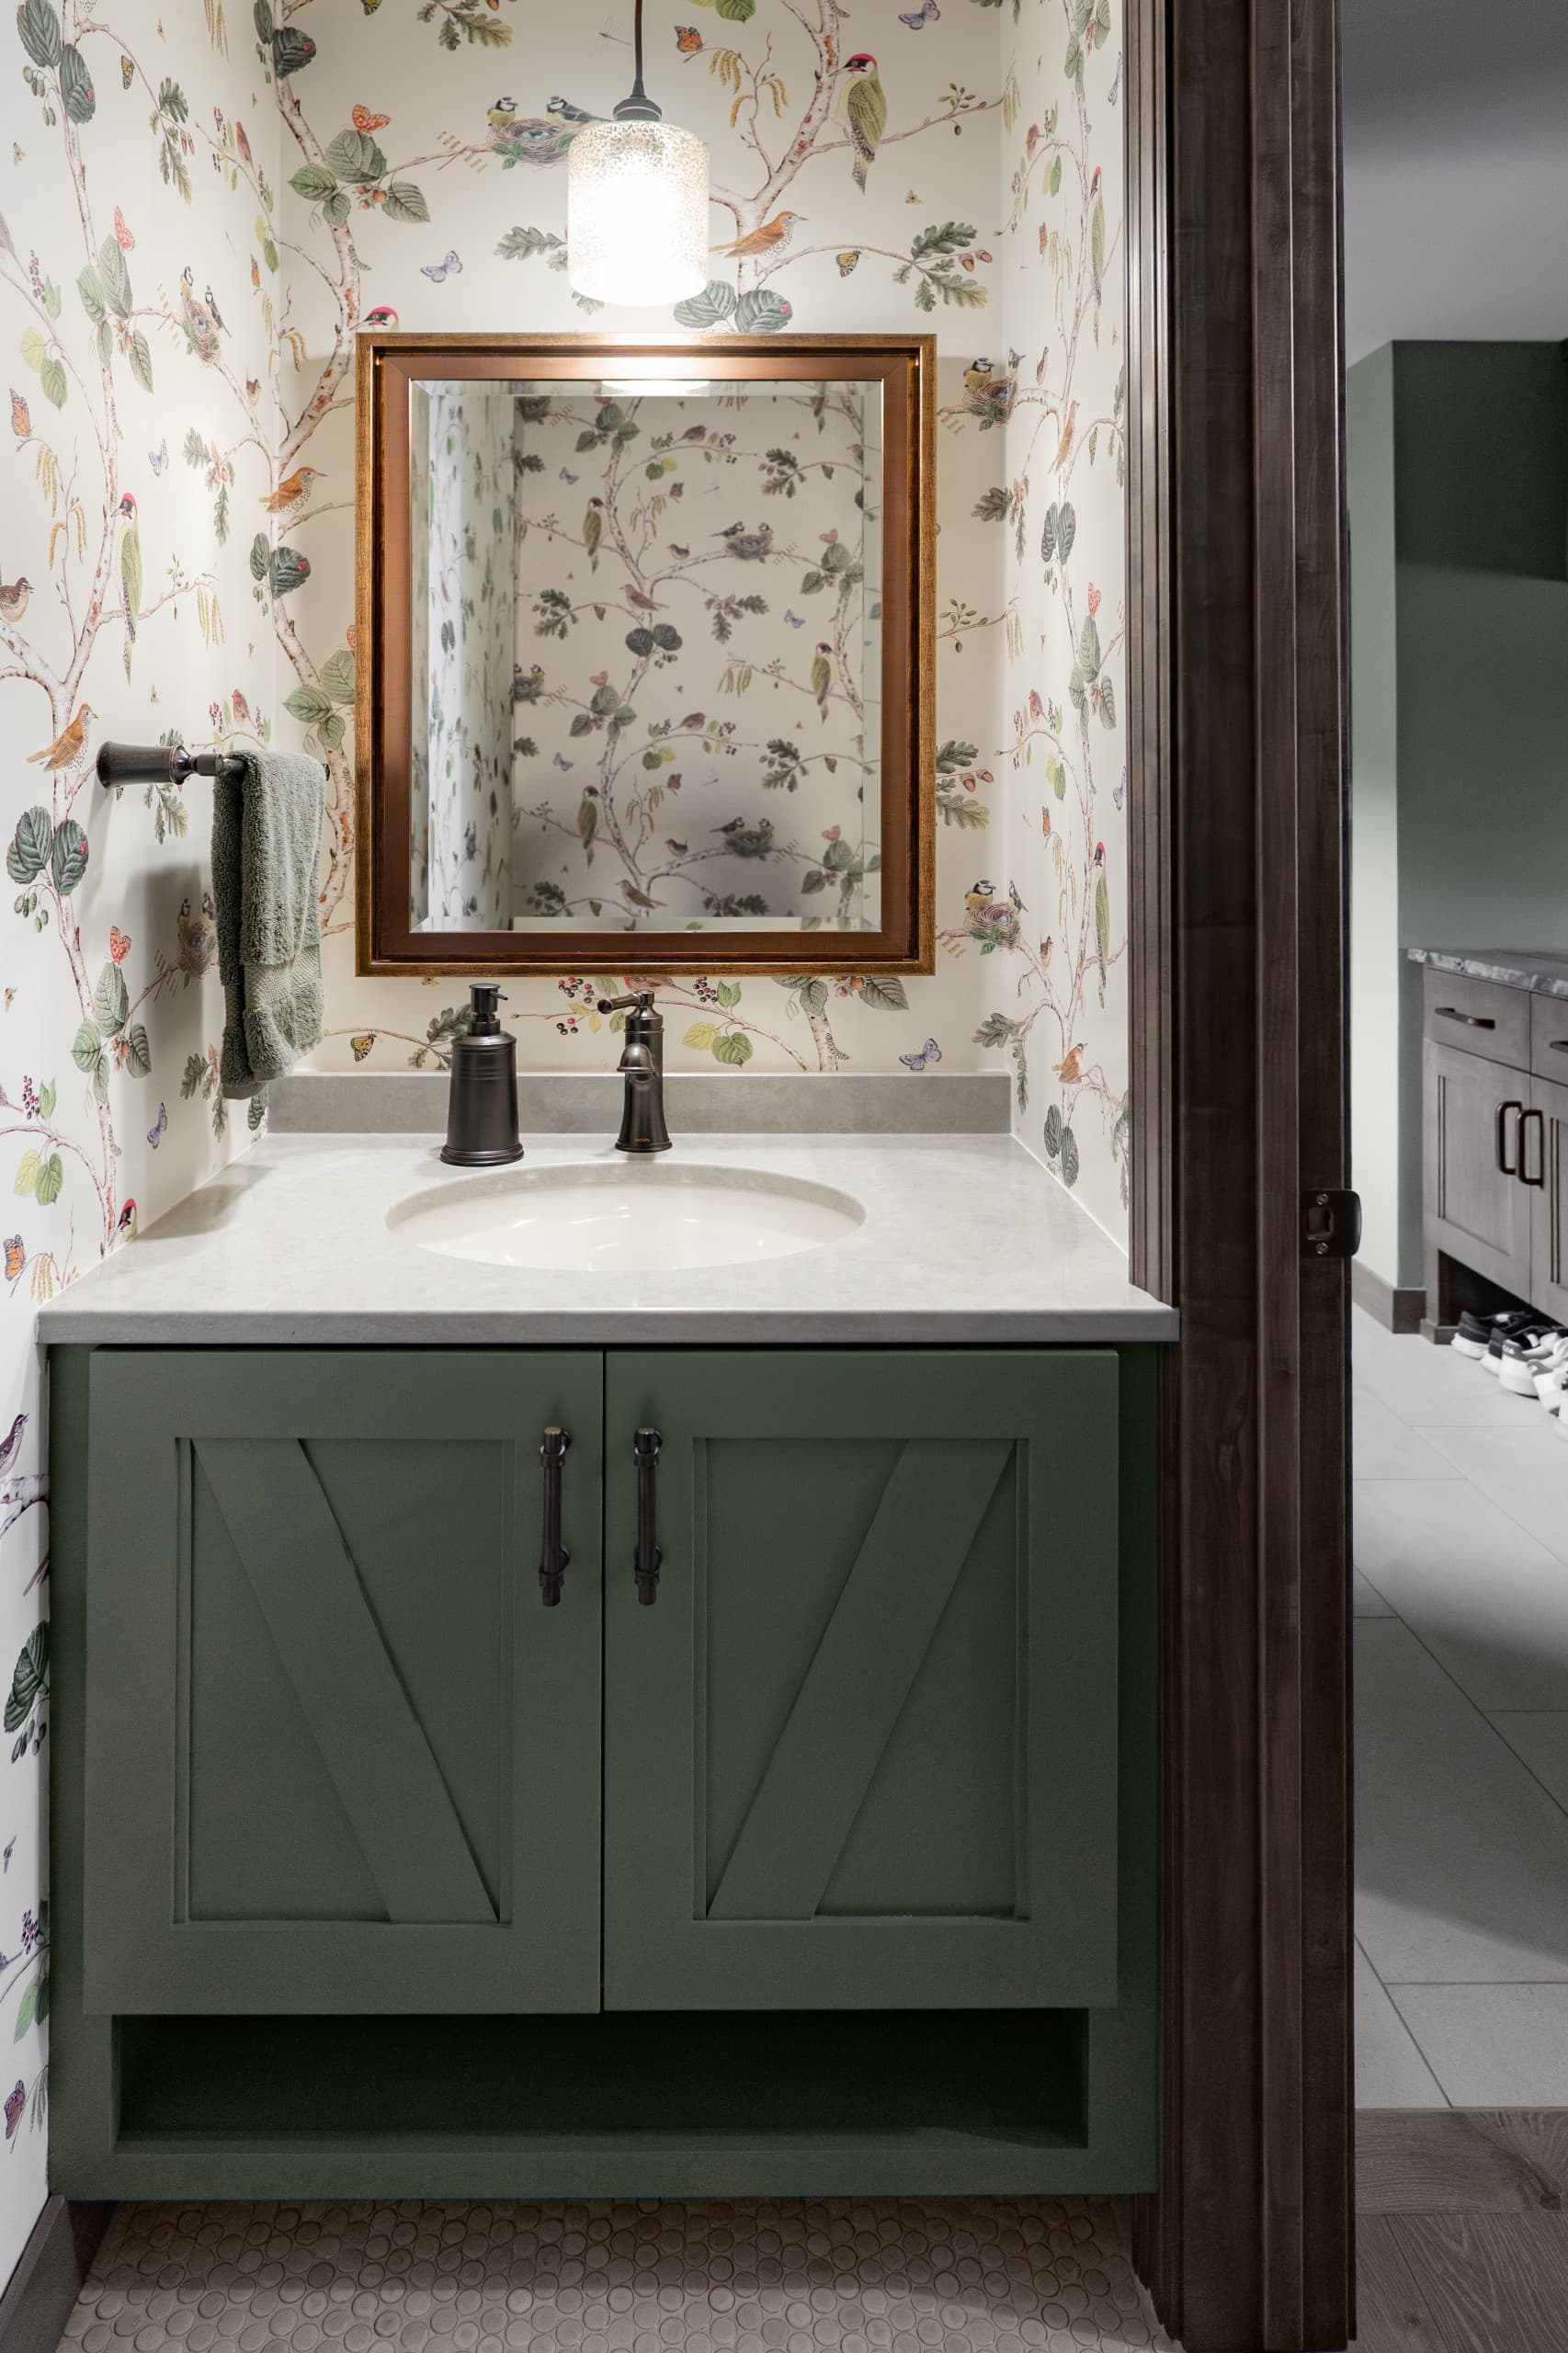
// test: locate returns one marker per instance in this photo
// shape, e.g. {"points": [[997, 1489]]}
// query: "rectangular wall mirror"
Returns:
{"points": [[646, 638]]}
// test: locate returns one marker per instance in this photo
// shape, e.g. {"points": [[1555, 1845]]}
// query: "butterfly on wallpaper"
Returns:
{"points": [[569, 478], [1115, 91], [123, 236], [363, 120], [847, 261], [927, 15], [689, 41], [159, 458], [9, 995], [910, 198], [437, 272], [18, 2099], [560, 762], [1118, 792], [929, 1052], [5, 1858], [119, 943], [362, 1044], [127, 73], [16, 1260], [21, 416], [156, 1131], [369, 6], [796, 620]]}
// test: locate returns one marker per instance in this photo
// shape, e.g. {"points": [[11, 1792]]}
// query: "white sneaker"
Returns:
{"points": [[1552, 1380], [1517, 1368]]}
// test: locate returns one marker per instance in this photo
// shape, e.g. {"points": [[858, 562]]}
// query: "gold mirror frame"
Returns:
{"points": [[905, 368]]}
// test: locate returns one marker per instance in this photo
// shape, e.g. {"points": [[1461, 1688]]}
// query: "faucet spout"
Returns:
{"points": [[642, 1066]]}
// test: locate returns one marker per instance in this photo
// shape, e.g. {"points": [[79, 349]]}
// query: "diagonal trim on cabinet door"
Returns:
{"points": [[373, 1744], [861, 1674]]}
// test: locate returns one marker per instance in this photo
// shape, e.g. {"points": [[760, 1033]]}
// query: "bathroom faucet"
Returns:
{"points": [[642, 1064]]}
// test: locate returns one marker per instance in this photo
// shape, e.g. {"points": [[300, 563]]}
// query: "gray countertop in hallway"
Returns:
{"points": [[1543, 970], [965, 1239]]}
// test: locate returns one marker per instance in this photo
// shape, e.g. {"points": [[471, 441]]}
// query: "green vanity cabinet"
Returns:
{"points": [[830, 1869], [338, 1757], [862, 1750]]}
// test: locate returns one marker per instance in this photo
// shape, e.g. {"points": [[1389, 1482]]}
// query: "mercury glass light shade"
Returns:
{"points": [[637, 213]]}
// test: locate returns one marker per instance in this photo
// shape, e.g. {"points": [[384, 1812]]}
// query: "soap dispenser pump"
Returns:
{"points": [[481, 1098]]}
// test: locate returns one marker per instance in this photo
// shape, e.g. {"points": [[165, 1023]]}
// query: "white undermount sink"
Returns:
{"points": [[634, 1217]]}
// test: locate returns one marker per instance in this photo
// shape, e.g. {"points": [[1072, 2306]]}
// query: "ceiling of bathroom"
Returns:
{"points": [[1456, 170]]}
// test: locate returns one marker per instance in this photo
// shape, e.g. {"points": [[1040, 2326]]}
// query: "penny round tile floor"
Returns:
{"points": [[755, 2275]]}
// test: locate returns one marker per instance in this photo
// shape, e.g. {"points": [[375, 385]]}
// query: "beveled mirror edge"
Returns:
{"points": [[906, 939]]}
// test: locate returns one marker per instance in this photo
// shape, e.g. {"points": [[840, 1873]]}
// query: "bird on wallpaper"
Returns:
{"points": [[593, 530], [195, 931], [14, 599], [531, 139], [821, 675], [125, 1227], [1064, 446], [383, 315], [503, 114], [748, 547], [242, 143], [526, 685], [1097, 244], [198, 326], [862, 105], [12, 1443], [1071, 1070], [564, 111], [747, 841], [69, 749], [771, 238], [131, 573], [215, 314], [978, 896], [1102, 914], [990, 392], [292, 493]]}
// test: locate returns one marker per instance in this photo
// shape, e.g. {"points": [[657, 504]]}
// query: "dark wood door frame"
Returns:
{"points": [[1236, 710]]}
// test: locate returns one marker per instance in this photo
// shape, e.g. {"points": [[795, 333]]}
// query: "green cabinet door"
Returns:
{"points": [[339, 1756], [861, 1750]]}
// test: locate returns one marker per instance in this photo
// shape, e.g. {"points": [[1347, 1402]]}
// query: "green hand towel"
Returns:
{"points": [[265, 843]]}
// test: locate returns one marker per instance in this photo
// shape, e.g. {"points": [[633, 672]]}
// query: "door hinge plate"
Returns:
{"points": [[1330, 1223]]}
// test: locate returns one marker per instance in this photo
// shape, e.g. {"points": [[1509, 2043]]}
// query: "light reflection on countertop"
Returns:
{"points": [[966, 1239]]}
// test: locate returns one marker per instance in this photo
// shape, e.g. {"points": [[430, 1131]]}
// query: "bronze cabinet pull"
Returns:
{"points": [[1470, 1020], [556, 1558], [1525, 1177], [1507, 1168], [646, 1447]]}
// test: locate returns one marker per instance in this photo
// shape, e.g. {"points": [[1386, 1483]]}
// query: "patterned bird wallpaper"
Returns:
{"points": [[206, 198]]}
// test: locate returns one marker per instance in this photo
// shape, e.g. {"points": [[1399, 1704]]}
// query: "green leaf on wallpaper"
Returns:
{"points": [[1108, 704], [100, 1080], [334, 211], [115, 278], [111, 1000], [87, 1046], [104, 339], [709, 309], [26, 2007], [640, 642], [761, 311], [1069, 1158], [581, 724], [701, 1036], [1054, 182], [337, 675], [996, 1030], [141, 360], [405, 202], [993, 505], [68, 855], [354, 156], [1073, 64], [52, 298], [313, 182], [331, 732], [260, 553], [91, 293], [261, 17], [30, 844], [32, 348], [28, 1681], [1053, 1133], [49, 1181], [736, 12], [47, 1099], [27, 1171], [221, 516], [734, 1047], [1089, 647], [53, 378], [138, 1053], [887, 996], [813, 880], [728, 993], [38, 27], [308, 703], [77, 89]]}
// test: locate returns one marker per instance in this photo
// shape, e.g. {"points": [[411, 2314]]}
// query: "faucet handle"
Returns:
{"points": [[640, 999]]}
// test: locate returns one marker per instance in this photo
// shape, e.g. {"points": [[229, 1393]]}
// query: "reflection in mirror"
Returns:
{"points": [[646, 657]]}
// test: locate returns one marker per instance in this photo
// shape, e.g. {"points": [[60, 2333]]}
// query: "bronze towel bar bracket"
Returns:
{"points": [[120, 763]]}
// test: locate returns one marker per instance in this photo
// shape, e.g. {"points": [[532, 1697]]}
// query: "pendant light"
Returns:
{"points": [[637, 203]]}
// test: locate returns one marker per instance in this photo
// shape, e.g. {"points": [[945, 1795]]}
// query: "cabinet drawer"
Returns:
{"points": [[1549, 1038], [1478, 1016]]}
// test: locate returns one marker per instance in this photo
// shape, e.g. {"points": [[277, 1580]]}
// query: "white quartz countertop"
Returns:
{"points": [[965, 1239]]}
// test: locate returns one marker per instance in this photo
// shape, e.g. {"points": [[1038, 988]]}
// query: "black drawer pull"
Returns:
{"points": [[555, 1559], [1525, 1177], [1507, 1168], [645, 1449], [1470, 1020]]}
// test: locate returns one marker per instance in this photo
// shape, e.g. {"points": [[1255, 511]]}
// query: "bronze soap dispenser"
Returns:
{"points": [[481, 1098]]}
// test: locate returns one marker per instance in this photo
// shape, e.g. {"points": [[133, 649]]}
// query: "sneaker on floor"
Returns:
{"points": [[1520, 1361], [1473, 1336], [1552, 1387], [1524, 1325]]}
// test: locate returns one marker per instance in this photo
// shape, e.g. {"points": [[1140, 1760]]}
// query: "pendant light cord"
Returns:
{"points": [[637, 48], [639, 107]]}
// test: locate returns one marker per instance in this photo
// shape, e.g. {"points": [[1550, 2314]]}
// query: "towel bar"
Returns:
{"points": [[120, 763]]}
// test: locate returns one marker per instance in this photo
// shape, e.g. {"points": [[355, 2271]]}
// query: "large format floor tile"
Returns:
{"points": [[1492, 2046], [1461, 1859], [1384, 1448], [1389, 2070], [1486, 1598], [1422, 1384], [1524, 1470], [1540, 1737], [1049, 2274]]}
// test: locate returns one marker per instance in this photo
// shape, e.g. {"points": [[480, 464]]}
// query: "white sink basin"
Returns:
{"points": [[638, 1217]]}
